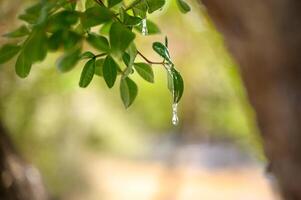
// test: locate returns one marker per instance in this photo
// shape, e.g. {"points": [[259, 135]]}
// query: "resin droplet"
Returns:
{"points": [[144, 27], [175, 119]]}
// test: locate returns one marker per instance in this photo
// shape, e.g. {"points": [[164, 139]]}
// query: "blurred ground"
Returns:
{"points": [[116, 179]]}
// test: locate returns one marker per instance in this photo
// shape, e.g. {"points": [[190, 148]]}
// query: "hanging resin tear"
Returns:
{"points": [[144, 29], [175, 118]]}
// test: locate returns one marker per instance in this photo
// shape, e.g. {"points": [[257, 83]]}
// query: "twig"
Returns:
{"points": [[149, 61]]}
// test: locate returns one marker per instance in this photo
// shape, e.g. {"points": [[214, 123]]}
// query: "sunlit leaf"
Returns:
{"points": [[99, 42], [8, 51], [183, 6], [109, 71], [128, 91], [145, 71], [154, 5], [23, 66], [19, 32], [95, 16], [120, 37], [112, 3], [35, 47], [99, 67], [68, 60], [162, 50], [86, 55], [87, 73]]}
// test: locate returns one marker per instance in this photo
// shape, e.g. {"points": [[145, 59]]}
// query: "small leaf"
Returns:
{"points": [[162, 50], [166, 41], [128, 19], [112, 3], [35, 47], [120, 38], [86, 55], [55, 40], [99, 67], [62, 19], [71, 39], [8, 51], [87, 73], [175, 84], [126, 59], [19, 32], [99, 42], [68, 61], [109, 71], [140, 9], [23, 66], [90, 4], [105, 28], [95, 16], [32, 13], [128, 91], [145, 71], [183, 6], [129, 58], [154, 5]]}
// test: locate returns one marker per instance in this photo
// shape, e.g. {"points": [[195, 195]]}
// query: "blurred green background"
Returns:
{"points": [[59, 127]]}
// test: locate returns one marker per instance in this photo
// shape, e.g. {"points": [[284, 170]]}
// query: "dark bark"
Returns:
{"points": [[18, 180], [265, 39]]}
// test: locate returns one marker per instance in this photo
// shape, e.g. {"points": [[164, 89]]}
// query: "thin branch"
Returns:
{"points": [[100, 55], [149, 61]]}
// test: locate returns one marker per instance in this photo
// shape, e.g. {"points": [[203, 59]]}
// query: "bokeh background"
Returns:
{"points": [[86, 145]]}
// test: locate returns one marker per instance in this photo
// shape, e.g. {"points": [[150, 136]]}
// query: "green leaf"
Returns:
{"points": [[183, 6], [68, 60], [152, 28], [140, 9], [87, 73], [32, 14], [71, 39], [176, 84], [129, 58], [8, 51], [110, 71], [55, 40], [90, 4], [112, 3], [99, 42], [128, 19], [19, 32], [145, 71], [62, 20], [162, 50], [23, 66], [120, 38], [99, 67], [86, 55], [105, 28], [35, 47], [95, 16], [166, 41], [154, 5], [128, 91], [69, 5]]}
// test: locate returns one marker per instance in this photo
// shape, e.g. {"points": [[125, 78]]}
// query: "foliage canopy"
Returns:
{"points": [[110, 27]]}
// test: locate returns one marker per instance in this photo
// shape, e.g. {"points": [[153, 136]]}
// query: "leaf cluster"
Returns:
{"points": [[109, 27]]}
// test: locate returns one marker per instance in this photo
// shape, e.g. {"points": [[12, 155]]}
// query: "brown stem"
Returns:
{"points": [[149, 61]]}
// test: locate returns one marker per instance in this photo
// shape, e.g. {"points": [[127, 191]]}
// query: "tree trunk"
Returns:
{"points": [[265, 39], [18, 180]]}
